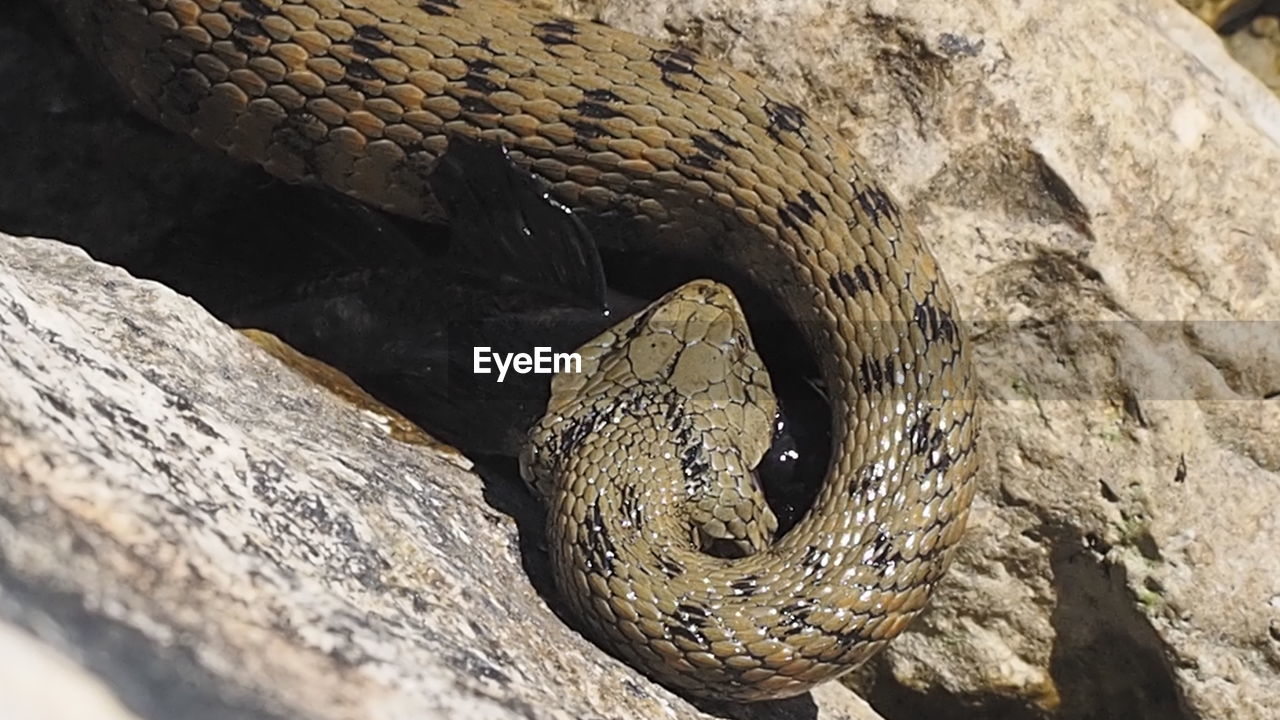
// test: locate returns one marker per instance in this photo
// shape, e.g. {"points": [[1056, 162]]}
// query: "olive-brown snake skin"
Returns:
{"points": [[643, 458]]}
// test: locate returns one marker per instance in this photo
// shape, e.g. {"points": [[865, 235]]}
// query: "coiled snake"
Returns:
{"points": [[643, 458]]}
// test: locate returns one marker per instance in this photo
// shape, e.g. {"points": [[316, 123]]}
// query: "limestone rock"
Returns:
{"points": [[214, 536]]}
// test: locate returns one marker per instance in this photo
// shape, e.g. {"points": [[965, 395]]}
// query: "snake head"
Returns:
{"points": [[690, 352]]}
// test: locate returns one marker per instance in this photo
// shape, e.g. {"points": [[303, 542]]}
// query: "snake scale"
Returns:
{"points": [[643, 459]]}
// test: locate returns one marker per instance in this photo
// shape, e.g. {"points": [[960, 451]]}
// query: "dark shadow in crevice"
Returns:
{"points": [[801, 707], [1239, 15], [1108, 661]]}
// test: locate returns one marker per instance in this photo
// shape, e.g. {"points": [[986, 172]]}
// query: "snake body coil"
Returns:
{"points": [[643, 457]]}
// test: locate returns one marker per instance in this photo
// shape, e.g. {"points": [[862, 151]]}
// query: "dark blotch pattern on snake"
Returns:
{"points": [[644, 458]]}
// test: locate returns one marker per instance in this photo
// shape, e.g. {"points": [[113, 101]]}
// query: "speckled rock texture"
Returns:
{"points": [[1098, 179], [213, 536]]}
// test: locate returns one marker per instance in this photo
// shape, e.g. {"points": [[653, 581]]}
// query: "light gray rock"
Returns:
{"points": [[40, 684], [1098, 179], [213, 536]]}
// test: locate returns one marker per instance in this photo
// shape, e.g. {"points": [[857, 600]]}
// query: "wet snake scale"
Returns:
{"points": [[642, 458]]}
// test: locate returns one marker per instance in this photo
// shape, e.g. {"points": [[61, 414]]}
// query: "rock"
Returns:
{"points": [[40, 684], [397, 426], [1257, 47], [215, 536], [1208, 54], [1098, 181], [1248, 33]]}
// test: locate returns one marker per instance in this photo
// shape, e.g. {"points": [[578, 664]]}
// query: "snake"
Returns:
{"points": [[661, 543]]}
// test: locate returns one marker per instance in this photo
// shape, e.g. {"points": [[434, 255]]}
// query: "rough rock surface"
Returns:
{"points": [[216, 537], [1098, 179]]}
